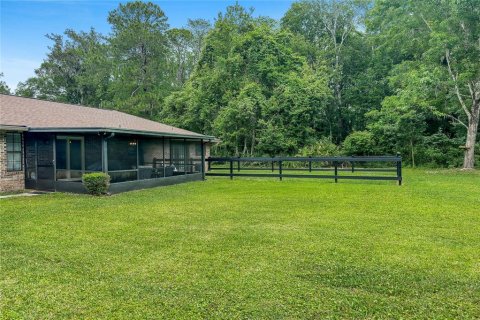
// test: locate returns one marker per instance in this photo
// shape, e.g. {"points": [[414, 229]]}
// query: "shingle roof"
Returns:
{"points": [[40, 114]]}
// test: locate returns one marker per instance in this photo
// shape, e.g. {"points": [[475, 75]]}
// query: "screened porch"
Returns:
{"points": [[126, 157]]}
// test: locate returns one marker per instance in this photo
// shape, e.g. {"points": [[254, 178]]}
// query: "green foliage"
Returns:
{"points": [[441, 151], [139, 41], [434, 45], [359, 143], [3, 86], [331, 29], [96, 183], [75, 70], [251, 89], [321, 147]]}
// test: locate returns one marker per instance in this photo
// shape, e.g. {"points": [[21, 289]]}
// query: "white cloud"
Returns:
{"points": [[17, 69]]}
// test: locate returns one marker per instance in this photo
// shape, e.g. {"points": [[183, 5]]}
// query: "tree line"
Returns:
{"points": [[354, 77]]}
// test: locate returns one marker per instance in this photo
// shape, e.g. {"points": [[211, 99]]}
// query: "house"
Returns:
{"points": [[49, 146]]}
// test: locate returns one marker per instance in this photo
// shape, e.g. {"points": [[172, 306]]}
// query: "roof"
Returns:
{"points": [[43, 116]]}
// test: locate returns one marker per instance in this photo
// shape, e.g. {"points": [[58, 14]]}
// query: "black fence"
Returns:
{"points": [[308, 167]]}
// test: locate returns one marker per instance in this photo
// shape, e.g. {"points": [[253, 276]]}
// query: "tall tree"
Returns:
{"points": [[329, 26], [139, 48], [442, 48], [252, 89], [72, 69], [181, 55], [4, 88], [199, 29]]}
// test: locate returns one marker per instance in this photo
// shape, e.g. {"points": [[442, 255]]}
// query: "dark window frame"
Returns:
{"points": [[16, 148], [68, 162]]}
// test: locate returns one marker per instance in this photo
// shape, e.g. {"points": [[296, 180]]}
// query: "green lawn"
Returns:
{"points": [[248, 248]]}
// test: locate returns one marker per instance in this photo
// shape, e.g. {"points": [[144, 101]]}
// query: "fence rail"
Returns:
{"points": [[276, 167]]}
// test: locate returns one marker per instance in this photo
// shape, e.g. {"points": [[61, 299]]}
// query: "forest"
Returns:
{"points": [[353, 77]]}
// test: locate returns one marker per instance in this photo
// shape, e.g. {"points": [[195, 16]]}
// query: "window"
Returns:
{"points": [[14, 151]]}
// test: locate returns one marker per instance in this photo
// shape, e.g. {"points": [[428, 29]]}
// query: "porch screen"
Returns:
{"points": [[122, 158]]}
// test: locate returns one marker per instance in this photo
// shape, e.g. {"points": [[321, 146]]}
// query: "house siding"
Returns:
{"points": [[10, 180]]}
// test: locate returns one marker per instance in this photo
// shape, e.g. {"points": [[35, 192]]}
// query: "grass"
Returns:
{"points": [[248, 248], [10, 193]]}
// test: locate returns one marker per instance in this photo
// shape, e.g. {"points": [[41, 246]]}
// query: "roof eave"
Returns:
{"points": [[126, 131], [7, 127]]}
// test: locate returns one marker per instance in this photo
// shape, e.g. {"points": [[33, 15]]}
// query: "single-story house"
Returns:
{"points": [[47, 145]]}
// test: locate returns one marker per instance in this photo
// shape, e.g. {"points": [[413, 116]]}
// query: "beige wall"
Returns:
{"points": [[9, 181], [154, 149]]}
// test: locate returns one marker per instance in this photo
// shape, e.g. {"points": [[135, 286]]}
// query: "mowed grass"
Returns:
{"points": [[248, 248]]}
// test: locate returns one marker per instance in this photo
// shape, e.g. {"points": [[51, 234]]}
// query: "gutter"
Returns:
{"points": [[125, 131], [7, 127]]}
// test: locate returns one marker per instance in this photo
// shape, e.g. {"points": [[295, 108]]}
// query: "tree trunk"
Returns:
{"points": [[413, 153], [469, 158], [245, 148], [253, 143]]}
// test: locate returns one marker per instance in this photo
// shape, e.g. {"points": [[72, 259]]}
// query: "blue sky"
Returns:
{"points": [[24, 24]]}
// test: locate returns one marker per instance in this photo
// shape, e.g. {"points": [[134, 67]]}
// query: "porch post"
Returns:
{"points": [[104, 154], [202, 148], [54, 146], [185, 155], [163, 156], [138, 160]]}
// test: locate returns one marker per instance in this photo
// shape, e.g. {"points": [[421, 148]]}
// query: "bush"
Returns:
{"points": [[439, 150], [321, 148], [96, 183], [359, 143]]}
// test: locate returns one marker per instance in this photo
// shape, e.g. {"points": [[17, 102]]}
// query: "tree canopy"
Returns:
{"points": [[354, 76]]}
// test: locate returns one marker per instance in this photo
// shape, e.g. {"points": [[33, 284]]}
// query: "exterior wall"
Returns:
{"points": [[153, 148], [13, 181], [10, 180]]}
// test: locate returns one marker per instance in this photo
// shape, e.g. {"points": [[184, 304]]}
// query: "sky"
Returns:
{"points": [[24, 24]]}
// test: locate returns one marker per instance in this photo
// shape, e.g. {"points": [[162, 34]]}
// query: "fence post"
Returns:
{"points": [[273, 166], [336, 170], [202, 147], [399, 169], [353, 166], [209, 164], [310, 165], [231, 169], [280, 169]]}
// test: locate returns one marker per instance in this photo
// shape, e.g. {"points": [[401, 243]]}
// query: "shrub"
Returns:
{"points": [[96, 183], [359, 143], [319, 148], [439, 150], [322, 147]]}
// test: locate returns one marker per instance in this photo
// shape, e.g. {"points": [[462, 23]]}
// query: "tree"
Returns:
{"points": [[251, 89], [180, 43], [442, 43], [329, 26], [139, 49], [239, 120], [3, 86], [199, 29], [359, 143], [73, 72]]}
